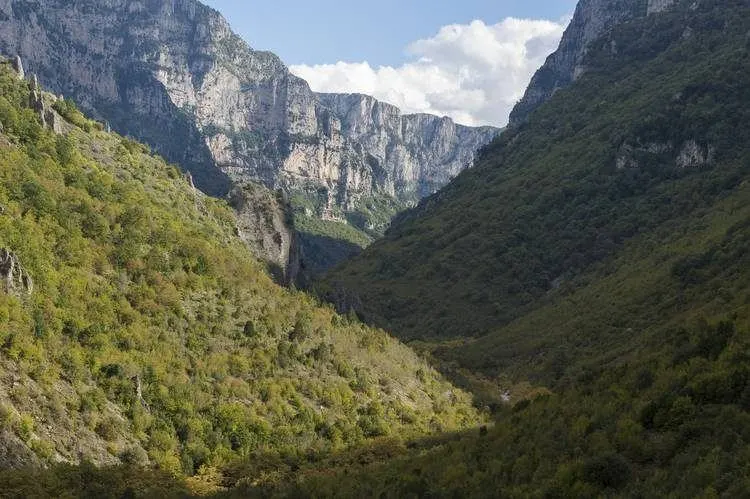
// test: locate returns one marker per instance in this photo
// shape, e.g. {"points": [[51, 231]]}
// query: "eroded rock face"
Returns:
{"points": [[173, 74], [16, 281], [655, 6], [411, 156], [41, 102], [592, 19], [690, 154], [263, 223], [695, 155], [18, 67]]}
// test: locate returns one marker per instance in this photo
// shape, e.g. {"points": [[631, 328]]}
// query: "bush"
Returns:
{"points": [[608, 471]]}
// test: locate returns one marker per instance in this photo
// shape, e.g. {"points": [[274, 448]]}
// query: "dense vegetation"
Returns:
{"points": [[657, 426], [599, 254], [551, 200], [152, 337], [599, 250], [343, 234]]}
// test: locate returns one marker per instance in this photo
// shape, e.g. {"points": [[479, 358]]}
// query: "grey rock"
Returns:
{"points": [[18, 67], [53, 121], [189, 179], [691, 154], [16, 280], [694, 155], [40, 101], [173, 74], [263, 223], [14, 453], [411, 156], [655, 6]]}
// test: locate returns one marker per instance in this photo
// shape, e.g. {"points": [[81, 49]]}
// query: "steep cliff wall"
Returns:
{"points": [[264, 224], [172, 73], [412, 155]]}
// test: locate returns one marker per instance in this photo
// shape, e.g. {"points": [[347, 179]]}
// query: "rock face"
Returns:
{"points": [[263, 223], [41, 102], [18, 67], [655, 6], [592, 19], [411, 156], [173, 74], [691, 154], [16, 281]]}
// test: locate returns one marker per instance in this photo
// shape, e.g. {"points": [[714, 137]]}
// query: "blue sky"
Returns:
{"points": [[325, 31], [467, 59]]}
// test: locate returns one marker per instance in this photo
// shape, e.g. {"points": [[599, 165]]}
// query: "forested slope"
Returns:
{"points": [[600, 251], [596, 256], [649, 137], [135, 327]]}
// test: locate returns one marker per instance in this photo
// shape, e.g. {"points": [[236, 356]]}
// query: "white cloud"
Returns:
{"points": [[473, 72]]}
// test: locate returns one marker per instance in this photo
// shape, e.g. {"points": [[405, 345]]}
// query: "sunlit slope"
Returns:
{"points": [[150, 334]]}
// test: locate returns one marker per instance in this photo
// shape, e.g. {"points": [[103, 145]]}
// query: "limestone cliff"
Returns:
{"points": [[264, 224], [411, 155], [173, 74], [592, 19]]}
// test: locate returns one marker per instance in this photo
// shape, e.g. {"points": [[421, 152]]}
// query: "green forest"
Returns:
{"points": [[150, 336], [589, 254]]}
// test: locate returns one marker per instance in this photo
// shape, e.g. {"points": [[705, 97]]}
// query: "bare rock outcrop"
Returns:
{"points": [[690, 154], [41, 102], [264, 225], [592, 19], [172, 73], [18, 67], [411, 155], [15, 279]]}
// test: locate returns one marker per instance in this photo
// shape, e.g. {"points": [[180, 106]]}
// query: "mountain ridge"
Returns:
{"points": [[389, 288], [591, 19], [240, 112], [587, 280]]}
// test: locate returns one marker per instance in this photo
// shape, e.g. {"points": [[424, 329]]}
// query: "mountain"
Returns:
{"points": [[592, 19], [419, 153], [561, 195], [591, 272], [598, 250], [171, 73], [265, 223], [136, 327]]}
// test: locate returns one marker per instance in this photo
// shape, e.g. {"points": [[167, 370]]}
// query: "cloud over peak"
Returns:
{"points": [[474, 73]]}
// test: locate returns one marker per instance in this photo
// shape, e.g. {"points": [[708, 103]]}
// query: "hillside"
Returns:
{"points": [[591, 20], [136, 328], [648, 139], [591, 271], [599, 250]]}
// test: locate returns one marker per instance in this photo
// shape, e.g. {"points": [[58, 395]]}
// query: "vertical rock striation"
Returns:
{"points": [[263, 223], [173, 74], [412, 156]]}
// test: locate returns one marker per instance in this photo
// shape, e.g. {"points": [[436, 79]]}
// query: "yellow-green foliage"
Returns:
{"points": [[642, 345], [141, 286]]}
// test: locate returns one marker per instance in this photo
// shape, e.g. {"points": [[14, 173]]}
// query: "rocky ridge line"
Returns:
{"points": [[592, 19], [173, 74]]}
